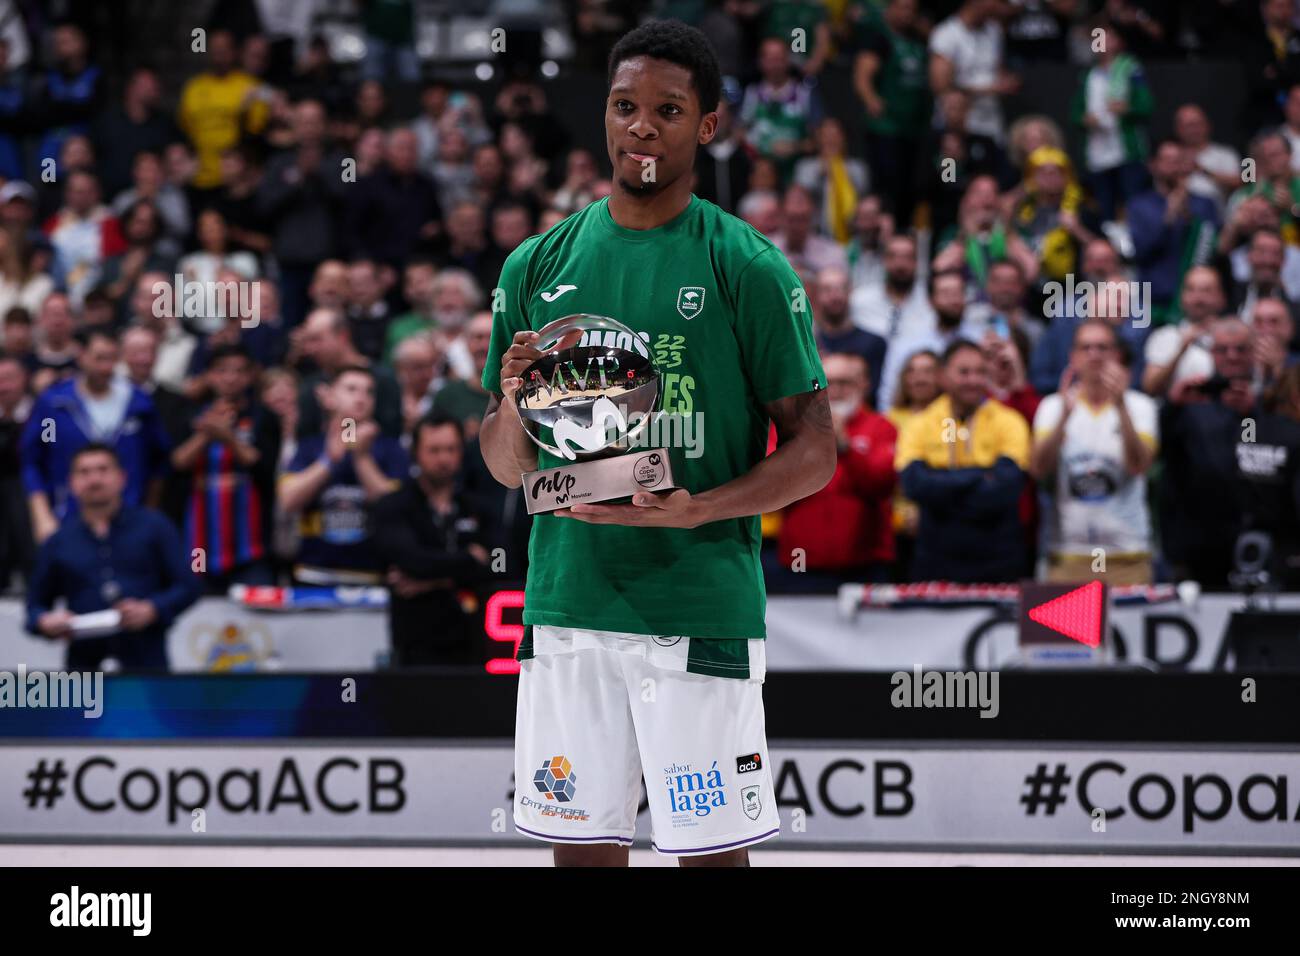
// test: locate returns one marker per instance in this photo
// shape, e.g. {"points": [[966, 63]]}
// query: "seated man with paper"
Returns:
{"points": [[121, 571]]}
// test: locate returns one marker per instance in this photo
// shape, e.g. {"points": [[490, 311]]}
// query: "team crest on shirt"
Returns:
{"points": [[750, 802], [690, 300]]}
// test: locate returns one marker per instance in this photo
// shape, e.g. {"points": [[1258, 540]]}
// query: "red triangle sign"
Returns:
{"points": [[1077, 614]]}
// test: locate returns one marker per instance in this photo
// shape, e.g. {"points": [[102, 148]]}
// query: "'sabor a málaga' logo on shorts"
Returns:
{"points": [[556, 779]]}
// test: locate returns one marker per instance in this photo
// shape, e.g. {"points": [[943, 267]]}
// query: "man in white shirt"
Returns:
{"points": [[966, 53], [1218, 167], [1176, 352], [899, 308], [1093, 443], [808, 252], [952, 322]]}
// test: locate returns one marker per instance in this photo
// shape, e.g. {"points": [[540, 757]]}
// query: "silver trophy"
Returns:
{"points": [[588, 400]]}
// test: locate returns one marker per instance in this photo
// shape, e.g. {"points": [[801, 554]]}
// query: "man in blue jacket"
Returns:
{"points": [[109, 555], [93, 406], [1172, 229]]}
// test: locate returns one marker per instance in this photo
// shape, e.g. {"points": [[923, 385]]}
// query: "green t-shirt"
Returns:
{"points": [[902, 81], [746, 341]]}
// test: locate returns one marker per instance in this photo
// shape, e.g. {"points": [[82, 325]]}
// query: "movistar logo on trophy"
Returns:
{"points": [[588, 405]]}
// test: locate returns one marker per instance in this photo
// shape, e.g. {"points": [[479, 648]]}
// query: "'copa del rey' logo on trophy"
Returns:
{"points": [[586, 405]]}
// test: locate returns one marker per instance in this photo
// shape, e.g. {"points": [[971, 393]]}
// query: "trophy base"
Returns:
{"points": [[591, 482]]}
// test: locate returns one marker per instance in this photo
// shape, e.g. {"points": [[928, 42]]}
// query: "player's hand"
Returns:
{"points": [[676, 509], [523, 352], [136, 614]]}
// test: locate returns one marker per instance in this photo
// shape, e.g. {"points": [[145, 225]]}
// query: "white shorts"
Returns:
{"points": [[597, 711]]}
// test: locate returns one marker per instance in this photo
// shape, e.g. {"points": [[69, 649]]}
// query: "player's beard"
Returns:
{"points": [[639, 187]]}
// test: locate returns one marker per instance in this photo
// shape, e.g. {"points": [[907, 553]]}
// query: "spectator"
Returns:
{"points": [[13, 107], [872, 230], [215, 256], [1290, 128], [1201, 431], [963, 461], [393, 211], [20, 284], [917, 387], [1172, 229], [1007, 357], [417, 289], [1269, 479], [464, 398], [581, 174], [18, 338], [1271, 59], [982, 239], [1113, 105], [16, 546], [966, 53], [779, 111], [301, 195], [456, 297], [844, 531], [327, 342], [93, 407], [390, 42], [1050, 216], [890, 78], [110, 555], [218, 107], [1275, 181], [833, 179], [1094, 441], [806, 251], [466, 245], [762, 210], [1274, 328], [333, 475], [1108, 298], [135, 125], [948, 300], [55, 355], [83, 233], [418, 364], [898, 308], [1216, 167], [367, 308], [70, 92], [147, 250], [434, 544], [1264, 260], [238, 204], [453, 171], [149, 184], [1007, 291], [722, 166], [834, 329], [1174, 353], [175, 345], [954, 155], [230, 462]]}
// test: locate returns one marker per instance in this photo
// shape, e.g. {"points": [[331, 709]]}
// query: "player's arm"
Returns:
{"points": [[803, 462], [506, 449]]}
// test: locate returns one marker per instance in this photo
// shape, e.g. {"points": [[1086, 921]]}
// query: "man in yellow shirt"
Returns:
{"points": [[963, 461], [218, 107]]}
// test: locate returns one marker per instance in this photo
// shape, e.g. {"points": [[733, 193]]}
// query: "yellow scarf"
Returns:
{"points": [[843, 199]]}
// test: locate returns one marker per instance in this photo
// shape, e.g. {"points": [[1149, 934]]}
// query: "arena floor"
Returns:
{"points": [[109, 855]]}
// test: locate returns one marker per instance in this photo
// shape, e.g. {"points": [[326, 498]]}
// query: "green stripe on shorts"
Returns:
{"points": [[526, 645], [718, 657]]}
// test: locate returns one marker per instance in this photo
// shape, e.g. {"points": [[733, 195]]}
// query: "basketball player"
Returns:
{"points": [[643, 647]]}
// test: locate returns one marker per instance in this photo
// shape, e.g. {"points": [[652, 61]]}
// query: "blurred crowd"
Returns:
{"points": [[1041, 362]]}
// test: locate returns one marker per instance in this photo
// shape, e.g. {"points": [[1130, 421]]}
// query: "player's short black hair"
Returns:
{"points": [[676, 42]]}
